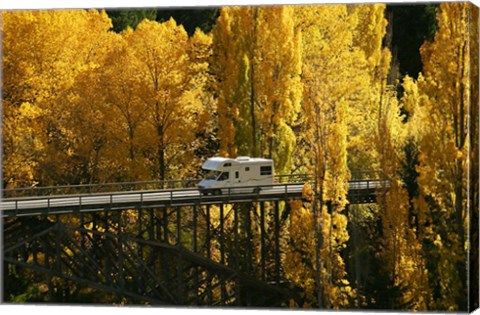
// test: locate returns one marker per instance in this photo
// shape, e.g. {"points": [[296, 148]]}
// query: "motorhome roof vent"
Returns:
{"points": [[243, 158]]}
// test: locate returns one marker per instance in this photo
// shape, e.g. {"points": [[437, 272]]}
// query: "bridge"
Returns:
{"points": [[97, 197], [159, 243]]}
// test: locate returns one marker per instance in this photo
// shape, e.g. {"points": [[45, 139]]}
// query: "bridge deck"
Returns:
{"points": [[360, 191]]}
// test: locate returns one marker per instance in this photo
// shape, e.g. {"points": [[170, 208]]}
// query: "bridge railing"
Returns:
{"points": [[98, 188], [126, 186], [159, 185], [58, 204]]}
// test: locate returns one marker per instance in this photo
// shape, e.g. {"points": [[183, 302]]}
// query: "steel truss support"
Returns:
{"points": [[226, 254]]}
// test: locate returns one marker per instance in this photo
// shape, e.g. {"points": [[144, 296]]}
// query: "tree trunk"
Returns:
{"points": [[462, 263], [161, 154], [252, 84], [131, 134]]}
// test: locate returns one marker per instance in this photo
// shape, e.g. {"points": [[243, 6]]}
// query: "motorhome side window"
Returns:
{"points": [[223, 176], [227, 164], [265, 170]]}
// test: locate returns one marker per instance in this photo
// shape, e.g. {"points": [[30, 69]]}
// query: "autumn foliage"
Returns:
{"points": [[83, 104]]}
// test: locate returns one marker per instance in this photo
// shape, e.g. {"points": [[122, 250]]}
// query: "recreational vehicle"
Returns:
{"points": [[224, 173]]}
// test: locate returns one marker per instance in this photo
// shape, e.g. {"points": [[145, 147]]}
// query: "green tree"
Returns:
{"points": [[123, 18], [191, 18]]}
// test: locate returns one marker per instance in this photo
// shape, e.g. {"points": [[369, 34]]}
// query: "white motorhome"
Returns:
{"points": [[240, 172]]}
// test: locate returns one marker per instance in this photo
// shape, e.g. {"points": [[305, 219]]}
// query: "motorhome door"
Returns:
{"points": [[236, 176]]}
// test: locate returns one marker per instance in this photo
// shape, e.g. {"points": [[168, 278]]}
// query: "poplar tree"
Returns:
{"points": [[279, 88], [225, 64], [440, 124], [329, 81], [402, 261], [259, 89], [372, 66]]}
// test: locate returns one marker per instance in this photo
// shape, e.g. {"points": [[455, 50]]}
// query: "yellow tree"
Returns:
{"points": [[226, 65], [119, 83], [299, 257], [440, 120], [474, 189], [80, 111], [87, 135], [44, 51], [376, 141], [200, 94], [21, 111], [258, 69], [372, 69], [162, 54], [330, 84], [400, 251], [277, 59]]}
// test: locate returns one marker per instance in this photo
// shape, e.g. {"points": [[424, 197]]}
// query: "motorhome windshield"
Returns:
{"points": [[212, 175]]}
